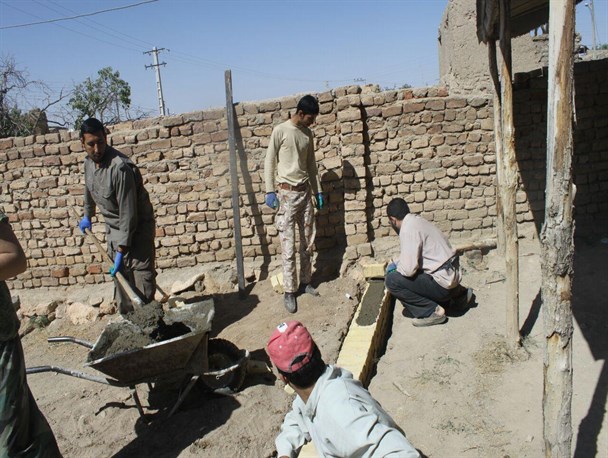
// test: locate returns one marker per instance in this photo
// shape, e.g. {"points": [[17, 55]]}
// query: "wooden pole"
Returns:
{"points": [[508, 187], [234, 178], [557, 235], [500, 217]]}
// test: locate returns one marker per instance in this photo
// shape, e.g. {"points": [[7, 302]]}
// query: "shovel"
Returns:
{"points": [[122, 281]]}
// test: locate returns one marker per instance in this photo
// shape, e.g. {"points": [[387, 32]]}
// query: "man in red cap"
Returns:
{"points": [[331, 408]]}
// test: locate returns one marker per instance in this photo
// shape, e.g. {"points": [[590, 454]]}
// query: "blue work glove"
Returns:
{"points": [[391, 268], [85, 223], [320, 201], [117, 264], [271, 200]]}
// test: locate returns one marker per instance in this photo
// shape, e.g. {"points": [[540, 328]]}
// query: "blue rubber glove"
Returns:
{"points": [[271, 200], [320, 201], [391, 268], [85, 223], [117, 264]]}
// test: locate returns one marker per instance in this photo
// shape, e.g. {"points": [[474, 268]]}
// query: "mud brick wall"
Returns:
{"points": [[590, 155], [433, 149]]}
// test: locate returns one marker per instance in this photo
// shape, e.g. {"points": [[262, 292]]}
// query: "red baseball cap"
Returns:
{"points": [[290, 346]]}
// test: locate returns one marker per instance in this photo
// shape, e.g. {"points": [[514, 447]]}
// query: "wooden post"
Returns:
{"points": [[497, 102], [557, 235], [234, 178], [508, 166]]}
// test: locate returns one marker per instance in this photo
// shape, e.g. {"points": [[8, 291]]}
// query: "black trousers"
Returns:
{"points": [[420, 294]]}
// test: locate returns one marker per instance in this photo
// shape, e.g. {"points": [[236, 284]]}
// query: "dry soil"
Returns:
{"points": [[456, 389]]}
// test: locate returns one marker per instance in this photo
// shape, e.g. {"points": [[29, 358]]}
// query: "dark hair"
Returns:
{"points": [[398, 208], [307, 375], [308, 105], [92, 126]]}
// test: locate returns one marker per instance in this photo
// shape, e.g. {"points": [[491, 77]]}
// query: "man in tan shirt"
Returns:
{"points": [[427, 273], [290, 164]]}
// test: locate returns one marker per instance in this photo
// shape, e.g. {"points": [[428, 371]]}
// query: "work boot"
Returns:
{"points": [[306, 288], [462, 302], [290, 303]]}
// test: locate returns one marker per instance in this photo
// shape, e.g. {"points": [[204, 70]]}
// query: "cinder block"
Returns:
{"points": [[374, 270]]}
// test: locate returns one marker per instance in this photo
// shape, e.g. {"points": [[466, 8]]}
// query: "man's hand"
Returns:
{"points": [[391, 268], [117, 264], [320, 201], [271, 200], [85, 223]]}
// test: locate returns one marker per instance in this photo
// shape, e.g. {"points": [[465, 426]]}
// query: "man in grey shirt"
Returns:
{"points": [[426, 274], [114, 184], [331, 409]]}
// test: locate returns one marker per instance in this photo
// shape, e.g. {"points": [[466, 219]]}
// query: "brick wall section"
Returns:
{"points": [[590, 160], [435, 150]]}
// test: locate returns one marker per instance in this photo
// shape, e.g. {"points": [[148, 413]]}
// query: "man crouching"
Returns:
{"points": [[331, 408]]}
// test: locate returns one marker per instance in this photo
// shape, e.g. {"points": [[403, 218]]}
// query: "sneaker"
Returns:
{"points": [[432, 320], [290, 303], [463, 301], [306, 288]]}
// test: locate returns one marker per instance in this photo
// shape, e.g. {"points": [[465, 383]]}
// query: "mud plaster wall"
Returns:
{"points": [[463, 61], [435, 150]]}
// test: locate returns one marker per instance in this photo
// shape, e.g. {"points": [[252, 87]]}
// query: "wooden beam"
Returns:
{"points": [[234, 178], [557, 235], [508, 174], [500, 217]]}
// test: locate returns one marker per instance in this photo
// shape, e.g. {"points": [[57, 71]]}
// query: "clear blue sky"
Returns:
{"points": [[274, 48]]}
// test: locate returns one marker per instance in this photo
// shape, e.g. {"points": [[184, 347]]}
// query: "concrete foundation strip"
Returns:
{"points": [[361, 345]]}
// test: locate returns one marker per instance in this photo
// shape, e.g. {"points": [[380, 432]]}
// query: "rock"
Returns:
{"points": [[16, 302], [60, 311], [46, 308], [249, 274], [79, 313], [179, 286], [95, 301], [107, 308], [28, 309]]}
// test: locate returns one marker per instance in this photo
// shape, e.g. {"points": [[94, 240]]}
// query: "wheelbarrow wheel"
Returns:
{"points": [[223, 354]]}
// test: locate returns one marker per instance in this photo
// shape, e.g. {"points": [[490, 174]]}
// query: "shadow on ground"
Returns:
{"points": [[590, 310], [160, 436]]}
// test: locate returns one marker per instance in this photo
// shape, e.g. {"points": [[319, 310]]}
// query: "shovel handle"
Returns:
{"points": [[122, 281]]}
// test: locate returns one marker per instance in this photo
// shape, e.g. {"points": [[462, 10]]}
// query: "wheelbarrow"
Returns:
{"points": [[216, 362]]}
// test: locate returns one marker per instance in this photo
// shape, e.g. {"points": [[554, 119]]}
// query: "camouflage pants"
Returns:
{"points": [[138, 269], [295, 207], [24, 431]]}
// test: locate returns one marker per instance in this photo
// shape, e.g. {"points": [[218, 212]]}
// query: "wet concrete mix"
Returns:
{"points": [[140, 328]]}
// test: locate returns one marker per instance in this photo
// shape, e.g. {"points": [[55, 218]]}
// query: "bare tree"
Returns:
{"points": [[15, 87]]}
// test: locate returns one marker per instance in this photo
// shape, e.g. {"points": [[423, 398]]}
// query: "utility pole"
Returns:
{"points": [[159, 85], [589, 5]]}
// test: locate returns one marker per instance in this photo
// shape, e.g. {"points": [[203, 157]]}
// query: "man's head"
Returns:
{"points": [[307, 111], [397, 210], [295, 354], [93, 138]]}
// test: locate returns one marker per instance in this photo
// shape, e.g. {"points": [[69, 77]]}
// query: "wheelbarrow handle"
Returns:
{"points": [[84, 343], [72, 373]]}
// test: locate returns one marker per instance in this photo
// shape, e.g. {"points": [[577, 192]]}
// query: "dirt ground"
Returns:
{"points": [[454, 389]]}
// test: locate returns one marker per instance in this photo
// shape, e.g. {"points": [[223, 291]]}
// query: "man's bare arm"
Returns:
{"points": [[12, 258]]}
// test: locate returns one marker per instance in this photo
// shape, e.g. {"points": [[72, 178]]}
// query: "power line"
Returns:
{"points": [[78, 16]]}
